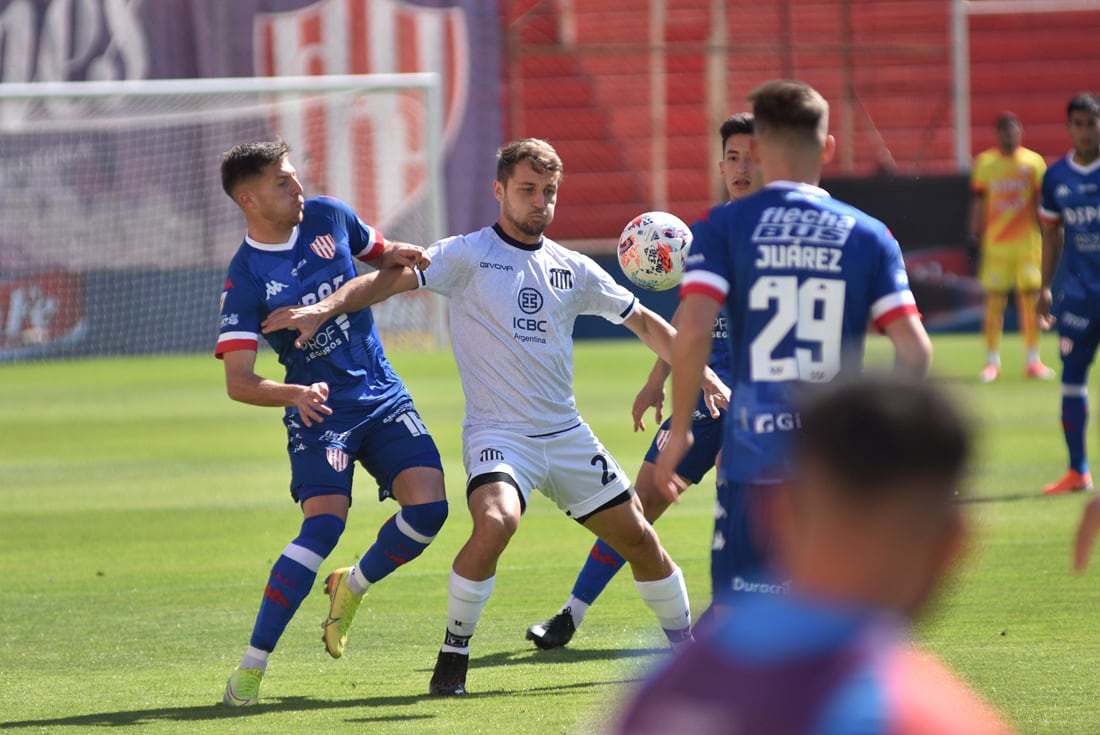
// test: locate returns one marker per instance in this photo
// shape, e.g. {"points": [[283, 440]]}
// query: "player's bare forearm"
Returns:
{"points": [[690, 352], [242, 384], [1052, 250], [912, 347], [403, 254], [652, 330]]}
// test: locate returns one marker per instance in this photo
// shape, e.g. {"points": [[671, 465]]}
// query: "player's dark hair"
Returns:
{"points": [[243, 161], [737, 124], [1083, 102], [540, 154], [1006, 119], [792, 108], [881, 436]]}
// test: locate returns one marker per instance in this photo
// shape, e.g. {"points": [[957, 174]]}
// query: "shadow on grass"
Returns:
{"points": [[560, 656], [305, 704], [984, 499]]}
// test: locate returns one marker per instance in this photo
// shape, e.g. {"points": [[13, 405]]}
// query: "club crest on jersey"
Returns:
{"points": [[337, 459], [561, 279], [325, 246]]}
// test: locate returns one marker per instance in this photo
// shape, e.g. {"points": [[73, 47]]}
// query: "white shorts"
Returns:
{"points": [[570, 467]]}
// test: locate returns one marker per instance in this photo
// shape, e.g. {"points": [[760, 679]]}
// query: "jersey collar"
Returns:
{"points": [[277, 247], [797, 186], [1084, 170], [513, 241]]}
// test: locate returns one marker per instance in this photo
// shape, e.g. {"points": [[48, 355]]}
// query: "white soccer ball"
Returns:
{"points": [[653, 249]]}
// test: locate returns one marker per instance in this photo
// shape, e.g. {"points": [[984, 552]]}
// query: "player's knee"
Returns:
{"points": [[496, 526], [320, 533], [425, 518]]}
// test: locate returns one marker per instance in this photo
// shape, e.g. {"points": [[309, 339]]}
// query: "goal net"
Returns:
{"points": [[117, 234]]}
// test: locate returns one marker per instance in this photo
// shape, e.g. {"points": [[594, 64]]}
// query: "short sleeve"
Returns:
{"points": [[708, 263], [604, 296], [451, 259], [1049, 208], [891, 297], [240, 315], [978, 176]]}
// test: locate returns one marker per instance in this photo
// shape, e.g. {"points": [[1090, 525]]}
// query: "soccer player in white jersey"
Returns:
{"points": [[602, 563], [514, 295]]}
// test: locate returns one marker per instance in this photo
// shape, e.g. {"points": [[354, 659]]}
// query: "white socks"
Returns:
{"points": [[668, 599], [254, 658], [357, 582], [466, 599], [577, 608]]}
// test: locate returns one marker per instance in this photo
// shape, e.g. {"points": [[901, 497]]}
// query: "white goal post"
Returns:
{"points": [[117, 234]]}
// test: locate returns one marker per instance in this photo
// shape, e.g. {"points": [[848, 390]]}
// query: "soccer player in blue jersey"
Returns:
{"points": [[1070, 216], [343, 401], [866, 528], [800, 275], [740, 178]]}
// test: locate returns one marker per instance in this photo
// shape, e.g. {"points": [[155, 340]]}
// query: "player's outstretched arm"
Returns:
{"points": [[1053, 240], [402, 254], [1086, 535], [691, 348], [244, 385], [358, 293], [651, 394], [912, 347]]}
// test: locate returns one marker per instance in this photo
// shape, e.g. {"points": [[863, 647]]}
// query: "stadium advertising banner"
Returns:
{"points": [[112, 199]]}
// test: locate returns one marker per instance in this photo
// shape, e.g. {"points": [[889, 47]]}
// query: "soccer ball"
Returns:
{"points": [[653, 249]]}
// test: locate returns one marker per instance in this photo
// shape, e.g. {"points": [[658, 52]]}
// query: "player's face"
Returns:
{"points": [[276, 196], [1009, 136], [1084, 131], [738, 171], [527, 202]]}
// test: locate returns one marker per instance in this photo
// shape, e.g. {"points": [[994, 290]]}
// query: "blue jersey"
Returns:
{"points": [[1071, 196], [800, 275], [719, 358], [794, 666], [345, 352]]}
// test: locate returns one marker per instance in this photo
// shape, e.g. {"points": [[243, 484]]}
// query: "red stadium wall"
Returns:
{"points": [[579, 73]]}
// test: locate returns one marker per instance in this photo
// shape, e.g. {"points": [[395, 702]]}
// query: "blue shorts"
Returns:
{"points": [[739, 557], [1078, 338], [707, 433], [323, 456]]}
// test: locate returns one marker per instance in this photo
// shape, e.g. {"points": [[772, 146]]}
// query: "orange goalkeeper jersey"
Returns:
{"points": [[1010, 186]]}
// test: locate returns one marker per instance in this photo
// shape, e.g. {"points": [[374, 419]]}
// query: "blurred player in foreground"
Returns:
{"points": [[740, 178], [800, 275], [866, 530], [344, 403], [1004, 218], [1070, 217], [514, 296]]}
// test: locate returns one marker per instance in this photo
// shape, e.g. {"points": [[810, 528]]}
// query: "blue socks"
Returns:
{"points": [[292, 576], [602, 564], [402, 538], [1075, 417]]}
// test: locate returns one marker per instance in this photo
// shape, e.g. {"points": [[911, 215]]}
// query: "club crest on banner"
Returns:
{"points": [[348, 158]]}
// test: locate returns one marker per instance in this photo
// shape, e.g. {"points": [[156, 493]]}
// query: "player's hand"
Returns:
{"points": [[403, 254], [1042, 308], [305, 319], [670, 484], [1086, 535], [716, 394], [311, 404], [649, 395]]}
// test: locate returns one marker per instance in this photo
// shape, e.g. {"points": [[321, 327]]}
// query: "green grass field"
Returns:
{"points": [[141, 510]]}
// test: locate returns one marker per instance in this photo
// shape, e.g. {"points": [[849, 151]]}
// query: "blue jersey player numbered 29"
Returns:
{"points": [[1070, 218], [800, 275], [343, 401], [603, 562]]}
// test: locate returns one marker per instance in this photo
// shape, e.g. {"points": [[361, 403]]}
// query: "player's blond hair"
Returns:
{"points": [[791, 109], [537, 152]]}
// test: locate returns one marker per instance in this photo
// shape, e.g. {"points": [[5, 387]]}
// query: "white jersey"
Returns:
{"points": [[512, 308]]}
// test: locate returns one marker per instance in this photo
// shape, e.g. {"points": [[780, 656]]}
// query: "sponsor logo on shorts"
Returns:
{"points": [[769, 423], [740, 584], [337, 459], [1073, 321]]}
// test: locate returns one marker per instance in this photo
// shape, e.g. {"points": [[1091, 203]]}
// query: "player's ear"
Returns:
{"points": [[829, 150], [498, 190], [754, 150]]}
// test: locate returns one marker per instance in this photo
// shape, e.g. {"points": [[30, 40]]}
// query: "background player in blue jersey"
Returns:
{"points": [[1070, 216], [800, 275], [344, 403], [740, 178], [866, 537]]}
